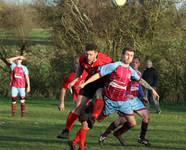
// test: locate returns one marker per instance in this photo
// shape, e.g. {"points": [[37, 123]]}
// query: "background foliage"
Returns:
{"points": [[51, 35]]}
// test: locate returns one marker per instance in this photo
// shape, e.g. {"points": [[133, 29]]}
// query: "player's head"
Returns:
{"points": [[148, 63], [18, 61], [91, 52], [127, 55], [135, 62]]}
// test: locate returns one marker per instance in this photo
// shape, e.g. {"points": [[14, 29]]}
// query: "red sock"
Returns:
{"points": [[72, 117], [23, 107], [97, 108], [13, 109], [82, 137], [76, 139]]}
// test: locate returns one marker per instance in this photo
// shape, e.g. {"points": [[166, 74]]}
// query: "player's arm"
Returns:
{"points": [[143, 83], [71, 84], [91, 79], [141, 95], [28, 83], [147, 86], [26, 72], [12, 59], [103, 71], [62, 98], [79, 74]]}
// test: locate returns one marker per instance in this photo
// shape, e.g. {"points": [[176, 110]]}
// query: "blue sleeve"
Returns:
{"points": [[12, 66], [135, 75], [140, 92], [109, 68], [25, 70]]}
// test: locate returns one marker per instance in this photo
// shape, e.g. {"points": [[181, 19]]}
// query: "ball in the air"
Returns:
{"points": [[119, 2]]}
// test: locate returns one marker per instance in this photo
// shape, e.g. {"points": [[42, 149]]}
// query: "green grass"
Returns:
{"points": [[35, 36], [43, 122]]}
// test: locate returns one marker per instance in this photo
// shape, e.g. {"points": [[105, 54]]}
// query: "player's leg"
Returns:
{"points": [[22, 100], [130, 123], [72, 117], [144, 114], [81, 134], [97, 108], [125, 111], [14, 93], [86, 93], [115, 124]]}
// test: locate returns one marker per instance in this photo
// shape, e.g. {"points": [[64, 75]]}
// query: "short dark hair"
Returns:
{"points": [[128, 49], [136, 57], [91, 46]]}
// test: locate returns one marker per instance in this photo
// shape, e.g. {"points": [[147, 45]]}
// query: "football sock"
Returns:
{"points": [[144, 127], [123, 129], [13, 109], [82, 138], [97, 108], [72, 117], [76, 139], [23, 107], [111, 127]]}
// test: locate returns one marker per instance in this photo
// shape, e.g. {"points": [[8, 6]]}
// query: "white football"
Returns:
{"points": [[119, 2]]}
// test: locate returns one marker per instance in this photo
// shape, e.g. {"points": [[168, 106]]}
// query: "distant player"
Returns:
{"points": [[115, 95], [135, 92], [20, 82], [89, 64]]}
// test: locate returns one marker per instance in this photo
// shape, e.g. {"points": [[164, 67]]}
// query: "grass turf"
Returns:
{"points": [[38, 130]]}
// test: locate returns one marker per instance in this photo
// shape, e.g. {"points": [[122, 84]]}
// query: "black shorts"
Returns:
{"points": [[90, 89]]}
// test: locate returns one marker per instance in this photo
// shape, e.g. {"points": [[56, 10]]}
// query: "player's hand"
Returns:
{"points": [[81, 86], [146, 101], [28, 89], [155, 94], [22, 57], [61, 107]]}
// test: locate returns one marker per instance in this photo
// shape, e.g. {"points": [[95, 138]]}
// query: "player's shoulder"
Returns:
{"points": [[72, 74], [103, 56], [132, 69], [24, 67], [117, 64], [12, 65]]}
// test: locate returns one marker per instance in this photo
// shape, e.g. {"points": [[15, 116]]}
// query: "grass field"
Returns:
{"points": [[43, 122]]}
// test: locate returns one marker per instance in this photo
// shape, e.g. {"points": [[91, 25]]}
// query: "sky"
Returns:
{"points": [[31, 1]]}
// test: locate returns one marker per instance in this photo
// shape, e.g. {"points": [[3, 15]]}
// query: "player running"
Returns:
{"points": [[19, 82], [89, 64], [135, 92]]}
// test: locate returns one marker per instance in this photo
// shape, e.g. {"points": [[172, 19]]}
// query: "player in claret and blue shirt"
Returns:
{"points": [[20, 82], [135, 94]]}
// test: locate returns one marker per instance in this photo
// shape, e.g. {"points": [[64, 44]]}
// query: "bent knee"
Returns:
{"points": [[132, 124]]}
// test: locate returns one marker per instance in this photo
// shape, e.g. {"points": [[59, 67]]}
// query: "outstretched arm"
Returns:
{"points": [[12, 59], [91, 79], [103, 71], [147, 86]]}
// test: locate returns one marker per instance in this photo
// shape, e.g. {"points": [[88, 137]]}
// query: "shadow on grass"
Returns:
{"points": [[32, 140]]}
